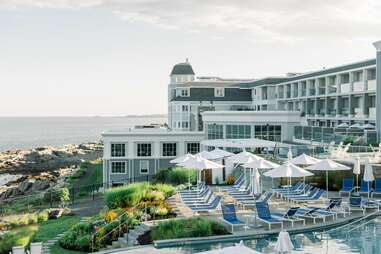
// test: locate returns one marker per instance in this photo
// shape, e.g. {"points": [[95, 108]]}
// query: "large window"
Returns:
{"points": [[118, 167], [193, 148], [144, 167], [184, 92], [169, 149], [118, 150], [268, 132], [215, 131], [238, 131], [219, 92], [144, 149]]}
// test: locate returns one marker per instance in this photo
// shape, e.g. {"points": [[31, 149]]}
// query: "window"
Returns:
{"points": [[268, 132], [215, 131], [144, 149], [185, 125], [144, 167], [219, 92], [238, 131], [118, 167], [185, 108], [118, 150], [184, 92], [193, 148], [169, 149]]}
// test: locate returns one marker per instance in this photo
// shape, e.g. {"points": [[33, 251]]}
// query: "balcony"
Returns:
{"points": [[321, 91], [344, 112], [303, 92], [280, 95], [372, 85], [358, 86], [288, 95], [331, 112], [358, 112], [332, 89], [345, 88], [312, 92]]}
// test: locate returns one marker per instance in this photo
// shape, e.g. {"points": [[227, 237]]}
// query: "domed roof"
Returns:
{"points": [[182, 69]]}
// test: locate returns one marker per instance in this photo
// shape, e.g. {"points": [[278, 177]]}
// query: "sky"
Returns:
{"points": [[113, 57]]}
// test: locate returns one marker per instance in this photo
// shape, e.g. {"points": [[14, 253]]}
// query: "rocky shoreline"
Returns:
{"points": [[40, 168]]}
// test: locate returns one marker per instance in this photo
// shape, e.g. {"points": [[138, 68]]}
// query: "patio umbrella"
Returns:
{"points": [[182, 158], [220, 154], [368, 126], [327, 165], [304, 159], [284, 244], [356, 169], [289, 154], [260, 164], [368, 173], [355, 126], [288, 169], [256, 184], [343, 125], [199, 163], [239, 248], [242, 158], [208, 155]]}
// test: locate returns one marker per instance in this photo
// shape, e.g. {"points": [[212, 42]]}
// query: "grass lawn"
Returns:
{"points": [[93, 174], [47, 230], [57, 249]]}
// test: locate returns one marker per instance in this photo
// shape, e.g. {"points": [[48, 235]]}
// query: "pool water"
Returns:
{"points": [[365, 240]]}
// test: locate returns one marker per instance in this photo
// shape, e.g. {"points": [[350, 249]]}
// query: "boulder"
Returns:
{"points": [[55, 213], [25, 186]]}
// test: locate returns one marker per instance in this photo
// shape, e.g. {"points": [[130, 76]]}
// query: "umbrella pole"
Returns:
{"points": [[326, 181], [189, 181], [368, 191]]}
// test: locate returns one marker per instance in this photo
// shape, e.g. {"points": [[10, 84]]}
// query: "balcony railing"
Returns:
{"points": [[372, 112], [332, 89], [358, 86], [372, 85], [321, 91], [345, 88]]}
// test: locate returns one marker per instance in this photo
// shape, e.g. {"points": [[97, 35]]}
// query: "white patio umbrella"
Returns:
{"points": [[220, 154], [304, 159], [343, 125], [327, 165], [239, 248], [368, 173], [289, 170], [368, 126], [284, 244], [208, 155], [256, 182], [261, 164], [289, 154], [182, 158], [200, 164], [242, 158], [356, 125], [356, 169]]}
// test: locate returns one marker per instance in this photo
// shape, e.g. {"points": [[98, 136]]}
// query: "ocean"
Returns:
{"points": [[31, 132]]}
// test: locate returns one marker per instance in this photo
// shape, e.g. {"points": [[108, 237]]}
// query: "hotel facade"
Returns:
{"points": [[321, 106]]}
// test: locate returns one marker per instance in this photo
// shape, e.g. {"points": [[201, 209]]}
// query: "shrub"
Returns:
{"points": [[161, 211], [20, 237], [167, 189], [21, 219], [110, 216], [154, 196], [176, 176], [194, 227], [230, 180], [43, 216], [126, 196], [59, 195], [78, 237]]}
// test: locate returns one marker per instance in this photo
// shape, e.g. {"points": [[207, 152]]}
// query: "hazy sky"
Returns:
{"points": [[113, 57]]}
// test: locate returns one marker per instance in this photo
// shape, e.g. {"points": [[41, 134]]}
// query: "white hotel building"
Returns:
{"points": [[292, 108]]}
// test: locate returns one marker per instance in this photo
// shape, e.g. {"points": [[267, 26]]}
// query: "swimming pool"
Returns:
{"points": [[366, 239]]}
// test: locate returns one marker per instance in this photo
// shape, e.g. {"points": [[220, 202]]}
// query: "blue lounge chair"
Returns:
{"points": [[347, 186], [314, 198], [230, 217], [290, 216], [366, 187], [309, 192], [265, 216], [296, 186], [206, 207], [314, 213], [332, 209], [356, 203], [377, 187], [304, 191]]}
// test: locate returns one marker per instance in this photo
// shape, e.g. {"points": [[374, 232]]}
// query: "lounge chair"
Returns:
{"points": [[314, 198], [333, 208], [314, 213], [305, 191], [290, 216], [377, 187], [366, 187], [213, 205], [347, 186], [237, 184], [265, 216], [309, 192], [356, 203], [230, 217], [296, 186]]}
